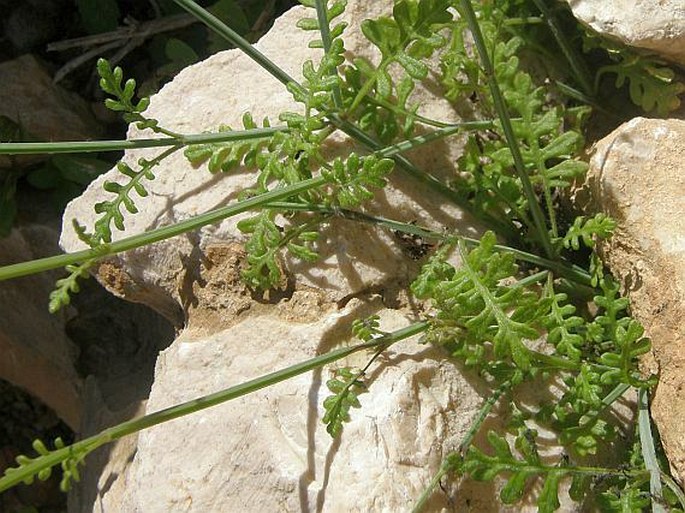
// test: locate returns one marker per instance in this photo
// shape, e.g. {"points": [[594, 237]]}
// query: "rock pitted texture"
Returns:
{"points": [[219, 91], [656, 26], [637, 176]]}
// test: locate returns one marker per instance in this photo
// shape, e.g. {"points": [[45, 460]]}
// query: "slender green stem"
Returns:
{"points": [[324, 29], [482, 415], [36, 266], [503, 113], [571, 272], [423, 177], [675, 488], [649, 452], [135, 425], [434, 135], [454, 459], [445, 468], [96, 146], [531, 20], [347, 127], [238, 41], [572, 92], [45, 264], [576, 62]]}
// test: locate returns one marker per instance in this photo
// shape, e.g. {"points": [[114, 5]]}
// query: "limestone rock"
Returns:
{"points": [[218, 91], [36, 354], [655, 26], [44, 110], [637, 176], [268, 451]]}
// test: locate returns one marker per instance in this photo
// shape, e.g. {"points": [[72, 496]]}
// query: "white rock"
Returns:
{"points": [[218, 91], [637, 176], [269, 451], [656, 26]]}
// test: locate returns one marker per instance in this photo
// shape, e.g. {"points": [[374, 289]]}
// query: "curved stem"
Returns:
{"points": [[18, 475], [575, 61]]}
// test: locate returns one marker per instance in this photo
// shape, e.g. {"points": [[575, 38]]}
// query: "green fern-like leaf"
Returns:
{"points": [[406, 38], [333, 11], [366, 329], [630, 344], [651, 85], [64, 287], [600, 226], [472, 301], [111, 82], [226, 156], [630, 500], [562, 326], [356, 176], [41, 466], [345, 386], [112, 210], [483, 467], [264, 271]]}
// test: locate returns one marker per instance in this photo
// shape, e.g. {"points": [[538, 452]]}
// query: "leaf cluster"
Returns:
{"points": [[652, 84], [520, 471], [508, 327], [346, 385], [70, 464], [227, 156], [476, 310], [111, 82], [405, 40], [545, 138]]}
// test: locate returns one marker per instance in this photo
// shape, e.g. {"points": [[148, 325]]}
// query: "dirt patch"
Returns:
{"points": [[217, 297]]}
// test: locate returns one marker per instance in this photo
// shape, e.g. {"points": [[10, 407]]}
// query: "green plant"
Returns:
{"points": [[515, 312]]}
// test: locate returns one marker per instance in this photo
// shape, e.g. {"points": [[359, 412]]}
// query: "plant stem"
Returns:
{"points": [[45, 264], [503, 113], [571, 272], [445, 468], [238, 41], [648, 451], [324, 29], [17, 476], [575, 61], [423, 177], [96, 146]]}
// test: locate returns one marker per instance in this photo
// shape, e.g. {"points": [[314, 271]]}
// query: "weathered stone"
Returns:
{"points": [[218, 91], [43, 110], [637, 176], [655, 26], [36, 354], [269, 450]]}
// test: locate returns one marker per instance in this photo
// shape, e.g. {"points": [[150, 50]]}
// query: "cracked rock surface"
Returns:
{"points": [[354, 257], [637, 176]]}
